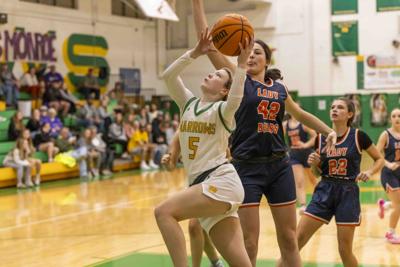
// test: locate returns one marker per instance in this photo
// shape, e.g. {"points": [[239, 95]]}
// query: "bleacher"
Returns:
{"points": [[49, 171]]}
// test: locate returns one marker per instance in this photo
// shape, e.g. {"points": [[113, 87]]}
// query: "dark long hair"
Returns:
{"points": [[273, 74]]}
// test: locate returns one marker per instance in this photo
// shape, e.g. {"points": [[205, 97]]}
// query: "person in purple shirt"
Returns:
{"points": [[52, 76], [55, 123]]}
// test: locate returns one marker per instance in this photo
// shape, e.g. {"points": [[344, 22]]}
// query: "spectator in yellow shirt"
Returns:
{"points": [[139, 145]]}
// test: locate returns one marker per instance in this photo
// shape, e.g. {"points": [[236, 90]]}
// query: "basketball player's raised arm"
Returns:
{"points": [[235, 95], [200, 21], [310, 121], [176, 88]]}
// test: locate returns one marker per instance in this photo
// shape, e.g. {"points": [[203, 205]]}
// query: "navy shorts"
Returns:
{"points": [[273, 179], [390, 179], [336, 198], [300, 156]]}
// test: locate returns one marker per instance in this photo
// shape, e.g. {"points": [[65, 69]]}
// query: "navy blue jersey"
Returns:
{"points": [[392, 149], [296, 134], [259, 131], [344, 161]]}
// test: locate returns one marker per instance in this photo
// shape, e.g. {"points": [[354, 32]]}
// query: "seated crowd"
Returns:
{"points": [[100, 133]]}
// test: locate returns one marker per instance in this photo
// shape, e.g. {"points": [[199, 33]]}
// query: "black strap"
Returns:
{"points": [[203, 176], [274, 157]]}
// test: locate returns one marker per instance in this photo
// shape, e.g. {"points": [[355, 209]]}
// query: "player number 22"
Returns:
{"points": [[193, 140], [337, 167], [268, 110]]}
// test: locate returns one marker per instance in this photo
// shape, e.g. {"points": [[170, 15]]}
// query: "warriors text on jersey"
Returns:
{"points": [[203, 137]]}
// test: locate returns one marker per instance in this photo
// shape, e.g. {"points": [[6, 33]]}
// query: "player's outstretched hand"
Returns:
{"points": [[245, 52], [363, 176], [331, 140], [204, 45]]}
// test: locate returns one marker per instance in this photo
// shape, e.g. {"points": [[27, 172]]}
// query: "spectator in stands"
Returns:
{"points": [[35, 164], [90, 85], [10, 85], [29, 83], [103, 113], [139, 145], [43, 142], [155, 124], [67, 143], [16, 126], [144, 116], [53, 76], [153, 112], [106, 154], [116, 132], [53, 97], [93, 157], [33, 124], [88, 114], [167, 109], [117, 92], [159, 139], [44, 115], [129, 125], [55, 123], [18, 160], [171, 128]]}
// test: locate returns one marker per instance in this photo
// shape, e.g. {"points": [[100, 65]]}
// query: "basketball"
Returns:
{"points": [[228, 31]]}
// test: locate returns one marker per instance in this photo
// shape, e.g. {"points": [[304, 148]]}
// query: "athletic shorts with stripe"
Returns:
{"points": [[339, 199], [300, 156], [274, 180], [390, 179]]}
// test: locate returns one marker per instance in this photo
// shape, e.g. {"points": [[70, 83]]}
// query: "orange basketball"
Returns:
{"points": [[229, 31]]}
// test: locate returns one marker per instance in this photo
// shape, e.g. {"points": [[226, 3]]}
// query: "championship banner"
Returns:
{"points": [[345, 38], [340, 7], [387, 5], [381, 72]]}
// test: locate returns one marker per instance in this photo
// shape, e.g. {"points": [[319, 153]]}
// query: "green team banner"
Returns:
{"points": [[387, 5], [344, 7], [345, 38]]}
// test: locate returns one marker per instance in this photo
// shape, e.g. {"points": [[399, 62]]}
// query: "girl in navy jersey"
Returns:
{"points": [[337, 194], [389, 143], [301, 140], [259, 150]]}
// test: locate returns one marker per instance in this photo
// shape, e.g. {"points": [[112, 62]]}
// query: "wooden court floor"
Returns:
{"points": [[110, 223]]}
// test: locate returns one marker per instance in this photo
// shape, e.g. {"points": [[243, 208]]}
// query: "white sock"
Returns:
{"points": [[392, 230], [387, 205]]}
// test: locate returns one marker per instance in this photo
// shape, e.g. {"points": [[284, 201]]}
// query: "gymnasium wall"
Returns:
{"points": [[81, 38], [301, 33]]}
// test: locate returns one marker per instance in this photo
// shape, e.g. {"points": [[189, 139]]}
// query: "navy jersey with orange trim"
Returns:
{"points": [[296, 134], [392, 149], [259, 131], [344, 161]]}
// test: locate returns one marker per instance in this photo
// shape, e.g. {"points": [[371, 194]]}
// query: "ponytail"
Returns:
{"points": [[273, 74]]}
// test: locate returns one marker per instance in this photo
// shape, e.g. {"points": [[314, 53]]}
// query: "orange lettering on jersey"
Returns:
{"points": [[337, 152], [267, 127], [267, 93]]}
